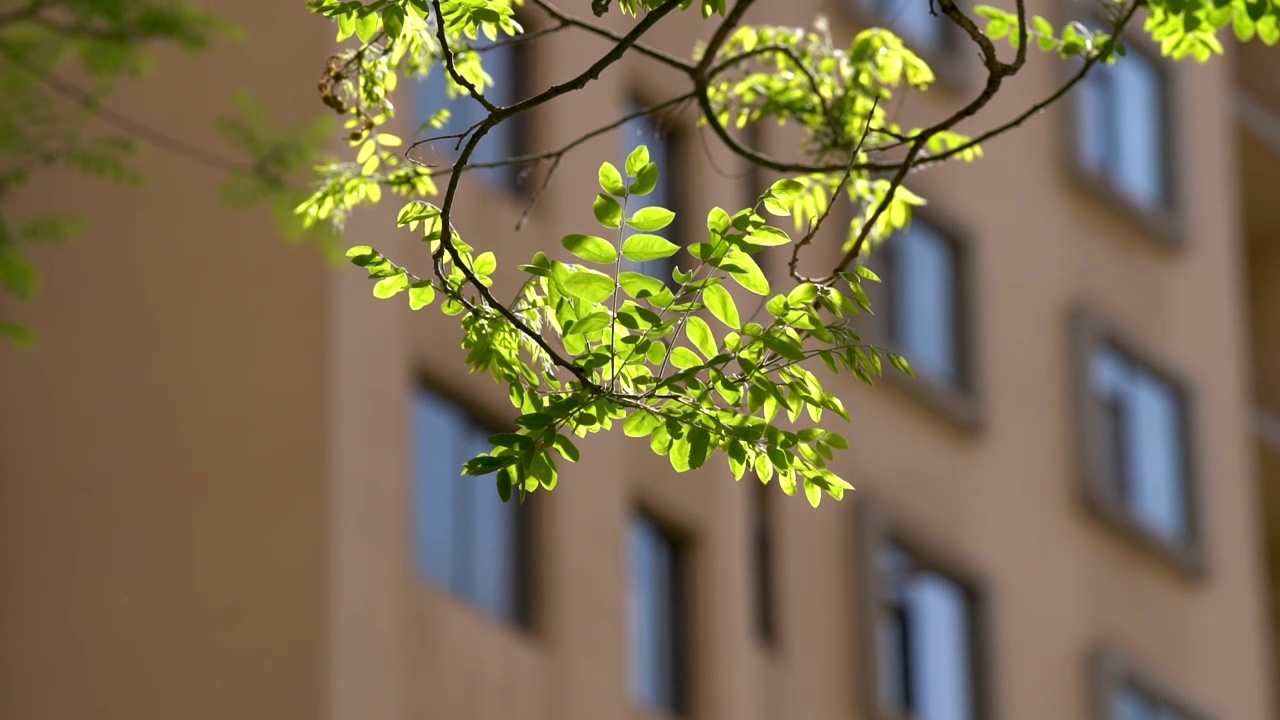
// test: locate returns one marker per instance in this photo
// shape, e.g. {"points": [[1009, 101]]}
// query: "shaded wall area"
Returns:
{"points": [[161, 451]]}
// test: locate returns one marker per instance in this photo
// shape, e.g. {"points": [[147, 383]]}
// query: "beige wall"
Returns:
{"points": [[1259, 143], [205, 501], [162, 468], [1004, 502]]}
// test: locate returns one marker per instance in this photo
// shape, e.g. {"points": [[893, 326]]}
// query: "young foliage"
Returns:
{"points": [[642, 355], [586, 344]]}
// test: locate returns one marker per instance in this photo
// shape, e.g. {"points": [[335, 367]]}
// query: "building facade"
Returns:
{"points": [[227, 474]]}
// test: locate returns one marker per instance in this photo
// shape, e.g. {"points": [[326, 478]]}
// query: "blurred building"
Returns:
{"points": [[228, 475]]}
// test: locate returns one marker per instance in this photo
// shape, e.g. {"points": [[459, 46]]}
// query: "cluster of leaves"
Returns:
{"points": [[1184, 28], [584, 345], [396, 38], [837, 95], [278, 154], [731, 382]]}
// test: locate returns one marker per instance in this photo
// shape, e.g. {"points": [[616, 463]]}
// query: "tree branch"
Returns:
{"points": [[496, 116], [660, 56]]}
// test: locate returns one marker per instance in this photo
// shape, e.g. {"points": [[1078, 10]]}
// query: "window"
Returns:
{"points": [[1139, 430], [655, 622], [646, 131], [1135, 443], [923, 302], [924, 631], [466, 539], [913, 22], [1121, 131], [1126, 694], [762, 561], [507, 65]]}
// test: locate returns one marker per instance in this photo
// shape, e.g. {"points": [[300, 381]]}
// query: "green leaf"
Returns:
{"points": [[393, 20], [699, 447], [592, 323], [566, 448], [683, 358], [679, 454], [1242, 26], [591, 248], [786, 189], [699, 333], [650, 219], [836, 441], [421, 294], [901, 364], [641, 424], [607, 211], [636, 160], [720, 302], [389, 287], [766, 236], [366, 26], [802, 294], [639, 248], [485, 464], [504, 485], [20, 336], [812, 492], [544, 470], [657, 351], [589, 285], [346, 26], [1269, 29], [751, 276], [484, 264], [646, 180], [611, 180], [639, 285]]}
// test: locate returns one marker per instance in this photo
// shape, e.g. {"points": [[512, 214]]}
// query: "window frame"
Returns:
{"points": [[682, 606], [960, 405], [874, 530], [524, 522], [1111, 670], [1164, 225], [1090, 331]]}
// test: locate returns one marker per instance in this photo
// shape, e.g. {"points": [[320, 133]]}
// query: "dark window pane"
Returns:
{"points": [[466, 539], [924, 638], [923, 307], [437, 462], [506, 140], [1120, 111], [1143, 439]]}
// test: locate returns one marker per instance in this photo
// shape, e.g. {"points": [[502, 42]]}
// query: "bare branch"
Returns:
{"points": [[813, 231], [660, 56], [447, 53], [497, 115]]}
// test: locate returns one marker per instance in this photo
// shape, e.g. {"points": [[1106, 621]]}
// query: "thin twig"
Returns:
{"points": [[662, 57], [133, 128], [497, 115], [813, 231]]}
